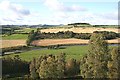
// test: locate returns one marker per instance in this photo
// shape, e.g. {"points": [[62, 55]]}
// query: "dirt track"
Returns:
{"points": [[47, 42]]}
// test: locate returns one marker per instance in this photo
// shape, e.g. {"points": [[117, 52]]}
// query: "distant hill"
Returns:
{"points": [[79, 24]]}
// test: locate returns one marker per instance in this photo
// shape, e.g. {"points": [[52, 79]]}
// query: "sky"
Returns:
{"points": [[34, 12]]}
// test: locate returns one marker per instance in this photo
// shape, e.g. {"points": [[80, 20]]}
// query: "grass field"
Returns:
{"points": [[71, 52], [75, 52], [15, 36], [25, 30]]}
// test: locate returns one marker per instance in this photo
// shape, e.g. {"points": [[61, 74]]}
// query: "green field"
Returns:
{"points": [[71, 52], [75, 52], [15, 36]]}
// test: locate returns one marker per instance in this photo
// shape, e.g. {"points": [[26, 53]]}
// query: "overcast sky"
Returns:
{"points": [[33, 12]]}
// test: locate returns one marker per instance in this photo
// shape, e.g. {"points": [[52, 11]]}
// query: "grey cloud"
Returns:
{"points": [[19, 11], [16, 8], [8, 19], [111, 16]]}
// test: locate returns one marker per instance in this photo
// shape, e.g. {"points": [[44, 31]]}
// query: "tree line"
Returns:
{"points": [[68, 34]]}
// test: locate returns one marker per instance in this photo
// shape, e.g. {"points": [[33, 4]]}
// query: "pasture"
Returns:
{"points": [[71, 52], [15, 37], [75, 52]]}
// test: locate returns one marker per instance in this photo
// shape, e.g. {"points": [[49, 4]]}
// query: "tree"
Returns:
{"points": [[48, 68], [114, 64], [72, 68], [31, 37], [95, 63], [61, 65], [33, 70]]}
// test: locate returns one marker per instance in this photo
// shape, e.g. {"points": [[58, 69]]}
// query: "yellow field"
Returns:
{"points": [[12, 43], [47, 42], [80, 30]]}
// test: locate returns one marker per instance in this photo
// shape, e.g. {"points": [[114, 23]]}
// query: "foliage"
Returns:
{"points": [[14, 65], [72, 67], [94, 64], [48, 66], [114, 64]]}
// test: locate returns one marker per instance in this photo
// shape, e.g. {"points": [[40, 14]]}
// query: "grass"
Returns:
{"points": [[15, 36], [75, 52]]}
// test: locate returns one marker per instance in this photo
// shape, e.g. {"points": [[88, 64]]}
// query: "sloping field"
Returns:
{"points": [[12, 43], [47, 42], [80, 30]]}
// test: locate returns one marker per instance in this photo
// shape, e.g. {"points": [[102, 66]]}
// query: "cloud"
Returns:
{"points": [[109, 16], [58, 6], [11, 13], [16, 8]]}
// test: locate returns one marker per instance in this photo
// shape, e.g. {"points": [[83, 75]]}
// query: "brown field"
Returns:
{"points": [[12, 43], [80, 30], [47, 42]]}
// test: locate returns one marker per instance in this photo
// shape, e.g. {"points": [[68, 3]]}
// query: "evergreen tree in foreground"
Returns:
{"points": [[114, 64], [94, 64]]}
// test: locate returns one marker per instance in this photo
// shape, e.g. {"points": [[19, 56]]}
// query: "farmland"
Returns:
{"points": [[71, 51], [15, 37], [80, 30], [75, 52], [12, 43], [47, 42], [20, 36]]}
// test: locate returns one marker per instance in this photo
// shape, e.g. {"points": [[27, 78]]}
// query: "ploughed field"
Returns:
{"points": [[80, 30]]}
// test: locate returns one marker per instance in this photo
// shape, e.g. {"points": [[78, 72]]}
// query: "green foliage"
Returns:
{"points": [[108, 35], [94, 64], [31, 37], [48, 66], [69, 34], [114, 64], [14, 65], [33, 72], [72, 67]]}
